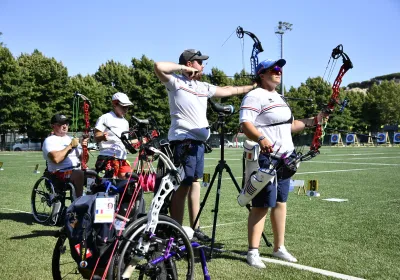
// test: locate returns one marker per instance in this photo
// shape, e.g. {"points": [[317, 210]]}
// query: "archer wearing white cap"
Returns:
{"points": [[108, 130]]}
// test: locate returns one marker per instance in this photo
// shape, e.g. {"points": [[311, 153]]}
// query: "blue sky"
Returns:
{"points": [[84, 34]]}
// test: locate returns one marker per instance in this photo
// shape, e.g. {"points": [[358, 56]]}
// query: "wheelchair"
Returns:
{"points": [[131, 203], [50, 196], [151, 246]]}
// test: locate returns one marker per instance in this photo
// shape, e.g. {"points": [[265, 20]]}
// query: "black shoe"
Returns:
{"points": [[201, 236]]}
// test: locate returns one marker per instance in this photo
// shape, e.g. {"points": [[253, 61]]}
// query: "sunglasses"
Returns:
{"points": [[197, 53], [199, 61], [61, 124], [276, 70]]}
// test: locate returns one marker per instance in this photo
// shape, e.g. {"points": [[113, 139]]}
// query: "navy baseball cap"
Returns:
{"points": [[268, 63]]}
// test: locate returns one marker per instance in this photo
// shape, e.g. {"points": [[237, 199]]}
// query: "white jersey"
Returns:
{"points": [[58, 143], [263, 108], [114, 146], [188, 108]]}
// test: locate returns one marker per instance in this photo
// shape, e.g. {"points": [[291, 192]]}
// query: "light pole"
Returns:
{"points": [[280, 30]]}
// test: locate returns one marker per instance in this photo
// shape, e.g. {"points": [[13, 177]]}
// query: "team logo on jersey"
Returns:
{"points": [[270, 100]]}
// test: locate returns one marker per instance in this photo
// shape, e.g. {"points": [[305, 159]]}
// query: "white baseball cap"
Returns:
{"points": [[122, 98]]}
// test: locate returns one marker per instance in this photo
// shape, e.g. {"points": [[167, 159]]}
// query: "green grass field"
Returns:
{"points": [[359, 238]]}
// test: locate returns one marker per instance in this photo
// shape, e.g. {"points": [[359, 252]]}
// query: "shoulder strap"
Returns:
{"points": [[279, 123], [284, 122]]}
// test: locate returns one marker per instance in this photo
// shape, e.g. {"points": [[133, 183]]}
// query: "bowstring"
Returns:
{"points": [[327, 65], [330, 72], [243, 63], [332, 68]]}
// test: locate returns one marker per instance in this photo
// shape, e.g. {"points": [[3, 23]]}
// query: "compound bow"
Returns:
{"points": [[257, 48], [333, 100]]}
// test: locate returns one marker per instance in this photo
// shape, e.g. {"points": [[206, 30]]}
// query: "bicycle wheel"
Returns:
{"points": [[169, 236], [42, 200]]}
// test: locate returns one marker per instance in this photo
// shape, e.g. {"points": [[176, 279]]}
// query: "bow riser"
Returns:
{"points": [[86, 131], [85, 152]]}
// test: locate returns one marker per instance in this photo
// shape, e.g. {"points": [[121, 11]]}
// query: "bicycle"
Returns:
{"points": [[50, 196]]}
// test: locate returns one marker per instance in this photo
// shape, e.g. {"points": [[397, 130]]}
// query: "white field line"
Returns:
{"points": [[226, 224], [367, 158], [364, 154], [359, 163], [22, 154], [313, 269], [15, 210]]}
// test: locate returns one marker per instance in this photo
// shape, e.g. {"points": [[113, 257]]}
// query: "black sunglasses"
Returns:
{"points": [[197, 53]]}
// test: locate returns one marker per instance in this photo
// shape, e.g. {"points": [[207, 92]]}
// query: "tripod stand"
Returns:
{"points": [[218, 170]]}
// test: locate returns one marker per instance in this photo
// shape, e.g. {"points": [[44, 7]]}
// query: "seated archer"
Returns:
{"points": [[63, 154]]}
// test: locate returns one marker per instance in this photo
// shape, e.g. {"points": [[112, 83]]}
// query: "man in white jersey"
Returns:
{"points": [[108, 130], [62, 153], [187, 97], [266, 118]]}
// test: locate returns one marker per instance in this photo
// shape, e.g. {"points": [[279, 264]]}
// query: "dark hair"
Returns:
{"points": [[257, 79]]}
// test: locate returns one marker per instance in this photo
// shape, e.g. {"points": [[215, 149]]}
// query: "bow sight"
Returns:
{"points": [[220, 108]]}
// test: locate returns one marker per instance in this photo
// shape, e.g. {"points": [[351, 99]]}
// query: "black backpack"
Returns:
{"points": [[88, 241]]}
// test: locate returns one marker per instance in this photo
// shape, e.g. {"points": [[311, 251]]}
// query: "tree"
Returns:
{"points": [[95, 91], [382, 105], [116, 76], [43, 92], [314, 88], [149, 94], [9, 97]]}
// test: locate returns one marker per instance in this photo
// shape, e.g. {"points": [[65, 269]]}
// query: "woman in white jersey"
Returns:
{"points": [[266, 118]]}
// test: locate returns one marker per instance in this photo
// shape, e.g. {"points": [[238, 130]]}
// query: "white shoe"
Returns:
{"points": [[253, 259], [283, 254]]}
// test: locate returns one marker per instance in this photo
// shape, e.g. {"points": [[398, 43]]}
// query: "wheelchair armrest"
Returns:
{"points": [[91, 172]]}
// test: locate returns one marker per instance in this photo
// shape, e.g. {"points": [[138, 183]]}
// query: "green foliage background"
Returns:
{"points": [[33, 87]]}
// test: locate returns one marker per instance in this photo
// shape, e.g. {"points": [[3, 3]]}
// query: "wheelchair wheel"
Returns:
{"points": [[63, 265], [153, 265], [42, 200], [62, 200]]}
